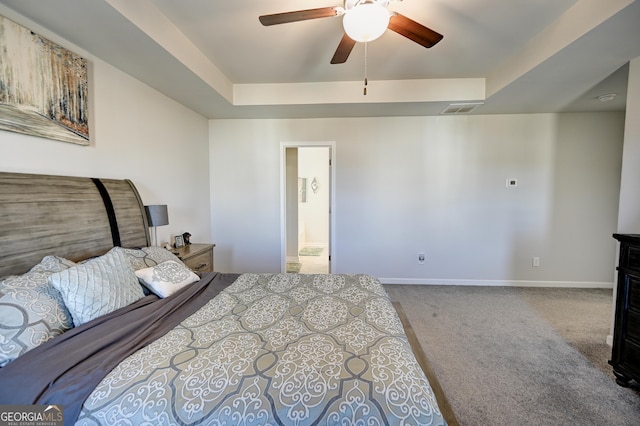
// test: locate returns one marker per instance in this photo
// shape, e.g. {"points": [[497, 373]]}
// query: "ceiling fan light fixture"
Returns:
{"points": [[366, 21]]}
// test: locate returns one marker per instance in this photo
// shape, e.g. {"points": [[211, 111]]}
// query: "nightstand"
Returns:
{"points": [[198, 257]]}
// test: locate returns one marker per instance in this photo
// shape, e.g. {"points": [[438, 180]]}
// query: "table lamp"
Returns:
{"points": [[157, 215]]}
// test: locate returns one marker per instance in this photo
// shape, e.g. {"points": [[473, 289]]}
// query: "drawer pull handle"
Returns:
{"points": [[200, 266]]}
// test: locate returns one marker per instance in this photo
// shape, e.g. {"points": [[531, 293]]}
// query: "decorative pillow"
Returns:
{"points": [[52, 264], [166, 278], [97, 287], [147, 256], [31, 312]]}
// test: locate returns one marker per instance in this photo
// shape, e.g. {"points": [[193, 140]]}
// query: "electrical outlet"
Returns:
{"points": [[536, 261], [421, 258]]}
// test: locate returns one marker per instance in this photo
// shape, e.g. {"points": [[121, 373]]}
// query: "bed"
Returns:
{"points": [[94, 320]]}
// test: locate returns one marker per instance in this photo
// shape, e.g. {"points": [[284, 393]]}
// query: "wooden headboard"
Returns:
{"points": [[72, 217]]}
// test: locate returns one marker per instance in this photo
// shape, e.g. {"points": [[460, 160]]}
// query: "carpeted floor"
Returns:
{"points": [[517, 356]]}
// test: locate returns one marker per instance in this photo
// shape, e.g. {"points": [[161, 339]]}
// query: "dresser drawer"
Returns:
{"points": [[631, 357], [200, 263], [630, 259], [633, 294], [633, 326]]}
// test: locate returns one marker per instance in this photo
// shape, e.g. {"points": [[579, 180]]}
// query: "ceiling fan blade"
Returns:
{"points": [[299, 15], [413, 30], [344, 50]]}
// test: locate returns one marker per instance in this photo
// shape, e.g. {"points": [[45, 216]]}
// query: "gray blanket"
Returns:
{"points": [[275, 349], [65, 370]]}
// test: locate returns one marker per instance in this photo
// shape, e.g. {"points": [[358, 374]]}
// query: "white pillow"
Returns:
{"points": [[166, 278], [97, 287]]}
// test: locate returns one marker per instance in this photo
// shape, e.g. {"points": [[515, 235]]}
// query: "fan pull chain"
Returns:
{"points": [[364, 91]]}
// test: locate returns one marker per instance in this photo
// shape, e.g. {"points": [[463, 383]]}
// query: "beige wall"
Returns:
{"points": [[629, 218], [136, 133], [435, 185]]}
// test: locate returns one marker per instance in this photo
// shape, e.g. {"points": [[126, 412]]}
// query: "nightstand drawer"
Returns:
{"points": [[201, 263], [198, 257]]}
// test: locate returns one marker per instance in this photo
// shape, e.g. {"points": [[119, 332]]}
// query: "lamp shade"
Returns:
{"points": [[366, 22], [157, 215]]}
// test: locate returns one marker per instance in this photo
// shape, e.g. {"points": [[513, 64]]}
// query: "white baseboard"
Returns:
{"points": [[497, 283]]}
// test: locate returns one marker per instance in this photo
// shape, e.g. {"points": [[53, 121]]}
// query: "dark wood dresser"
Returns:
{"points": [[625, 356]]}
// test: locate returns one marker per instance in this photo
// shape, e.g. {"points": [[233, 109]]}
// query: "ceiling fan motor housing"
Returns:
{"points": [[350, 4]]}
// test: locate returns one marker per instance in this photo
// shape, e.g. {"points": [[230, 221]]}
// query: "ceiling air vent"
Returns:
{"points": [[463, 108]]}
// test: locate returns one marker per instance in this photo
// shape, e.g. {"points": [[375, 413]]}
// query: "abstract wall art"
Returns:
{"points": [[43, 86]]}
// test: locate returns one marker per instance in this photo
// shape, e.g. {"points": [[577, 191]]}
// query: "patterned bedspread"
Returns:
{"points": [[275, 349]]}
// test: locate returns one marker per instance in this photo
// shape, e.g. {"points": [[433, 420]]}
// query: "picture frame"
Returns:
{"points": [[44, 88], [179, 241]]}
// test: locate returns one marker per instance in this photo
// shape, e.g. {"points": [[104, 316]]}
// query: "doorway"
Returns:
{"points": [[307, 189]]}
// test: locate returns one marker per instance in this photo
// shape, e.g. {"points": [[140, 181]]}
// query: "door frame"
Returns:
{"points": [[283, 198]]}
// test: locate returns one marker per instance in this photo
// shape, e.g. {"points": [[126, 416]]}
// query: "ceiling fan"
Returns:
{"points": [[363, 21]]}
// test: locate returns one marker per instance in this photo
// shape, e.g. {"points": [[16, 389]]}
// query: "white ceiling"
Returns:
{"points": [[514, 56]]}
